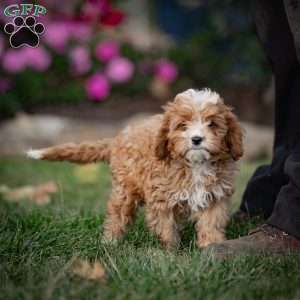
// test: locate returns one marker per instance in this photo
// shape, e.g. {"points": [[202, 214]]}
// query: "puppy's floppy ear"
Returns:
{"points": [[234, 137], [161, 143]]}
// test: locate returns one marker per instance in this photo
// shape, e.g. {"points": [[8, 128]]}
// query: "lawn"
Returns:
{"points": [[38, 244]]}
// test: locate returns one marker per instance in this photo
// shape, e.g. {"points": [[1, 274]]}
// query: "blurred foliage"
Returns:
{"points": [[223, 50], [34, 88]]}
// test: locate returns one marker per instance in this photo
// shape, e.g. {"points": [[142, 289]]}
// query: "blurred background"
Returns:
{"points": [[101, 63]]}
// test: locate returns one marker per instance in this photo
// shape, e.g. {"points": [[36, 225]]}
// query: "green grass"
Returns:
{"points": [[37, 244]]}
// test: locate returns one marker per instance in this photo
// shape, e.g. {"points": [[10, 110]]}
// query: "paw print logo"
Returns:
{"points": [[24, 32]]}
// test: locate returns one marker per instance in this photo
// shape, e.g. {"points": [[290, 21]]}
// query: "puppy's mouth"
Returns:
{"points": [[199, 148], [197, 154]]}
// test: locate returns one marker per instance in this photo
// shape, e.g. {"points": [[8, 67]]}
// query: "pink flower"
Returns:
{"points": [[80, 60], [97, 87], [37, 59], [120, 69], [13, 61], [166, 70], [57, 35], [107, 50]]}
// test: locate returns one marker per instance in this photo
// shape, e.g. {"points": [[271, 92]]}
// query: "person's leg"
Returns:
{"points": [[292, 8], [277, 40], [286, 213]]}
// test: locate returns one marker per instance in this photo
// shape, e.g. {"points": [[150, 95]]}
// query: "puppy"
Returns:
{"points": [[179, 164]]}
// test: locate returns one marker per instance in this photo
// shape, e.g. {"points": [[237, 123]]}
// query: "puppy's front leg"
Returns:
{"points": [[211, 223], [160, 219]]}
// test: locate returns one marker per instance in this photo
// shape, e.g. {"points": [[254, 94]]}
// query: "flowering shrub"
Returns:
{"points": [[74, 61], [78, 58]]}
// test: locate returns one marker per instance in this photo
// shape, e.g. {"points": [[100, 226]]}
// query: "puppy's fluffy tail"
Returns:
{"points": [[83, 153]]}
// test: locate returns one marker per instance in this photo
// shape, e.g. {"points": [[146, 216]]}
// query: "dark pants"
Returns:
{"points": [[274, 190]]}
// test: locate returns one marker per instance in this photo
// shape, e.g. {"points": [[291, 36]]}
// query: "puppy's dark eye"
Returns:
{"points": [[181, 126], [212, 124]]}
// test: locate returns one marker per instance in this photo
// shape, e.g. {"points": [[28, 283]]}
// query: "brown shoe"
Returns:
{"points": [[263, 240]]}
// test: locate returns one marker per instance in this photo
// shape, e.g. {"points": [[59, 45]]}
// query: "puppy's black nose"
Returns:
{"points": [[197, 140]]}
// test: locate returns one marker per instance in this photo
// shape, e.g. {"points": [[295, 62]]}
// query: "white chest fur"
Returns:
{"points": [[199, 194]]}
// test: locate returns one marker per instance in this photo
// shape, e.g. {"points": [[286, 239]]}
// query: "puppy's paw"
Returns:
{"points": [[171, 245], [206, 240], [110, 239], [107, 242]]}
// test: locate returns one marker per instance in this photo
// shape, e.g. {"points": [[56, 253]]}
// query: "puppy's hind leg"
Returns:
{"points": [[120, 213], [160, 219]]}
